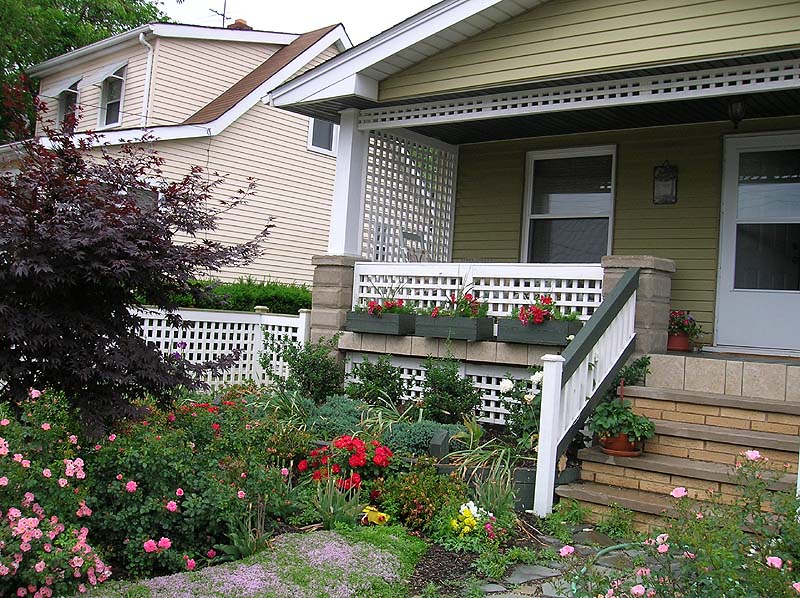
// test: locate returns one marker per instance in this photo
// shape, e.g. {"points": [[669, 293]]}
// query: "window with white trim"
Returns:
{"points": [[111, 99], [67, 102], [569, 202], [323, 136]]}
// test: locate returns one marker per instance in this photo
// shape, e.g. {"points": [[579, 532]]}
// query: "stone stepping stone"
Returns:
{"points": [[549, 590], [492, 588], [526, 573], [594, 538]]}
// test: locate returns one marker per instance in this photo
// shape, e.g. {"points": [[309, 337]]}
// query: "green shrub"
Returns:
{"points": [[337, 416], [314, 369], [447, 397], [377, 382], [414, 438], [245, 294]]}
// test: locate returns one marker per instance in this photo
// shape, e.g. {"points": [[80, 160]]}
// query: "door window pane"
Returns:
{"points": [[769, 185], [568, 240], [572, 186], [767, 257]]}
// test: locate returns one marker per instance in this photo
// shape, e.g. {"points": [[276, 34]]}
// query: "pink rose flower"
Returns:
{"points": [[150, 546], [45, 426], [131, 486], [775, 562], [689, 555], [796, 586], [39, 566], [179, 492], [172, 506], [679, 492], [190, 564], [698, 515], [284, 471], [73, 439], [752, 455], [663, 548], [4, 481], [240, 494], [34, 394], [25, 463], [638, 590], [47, 473], [566, 550], [62, 482], [212, 553], [4, 422], [112, 437], [164, 543], [119, 476]]}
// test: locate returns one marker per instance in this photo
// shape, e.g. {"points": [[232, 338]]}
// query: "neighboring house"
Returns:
{"points": [[544, 135], [199, 91]]}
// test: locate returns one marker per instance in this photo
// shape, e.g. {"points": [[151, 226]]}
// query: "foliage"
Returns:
{"points": [[738, 546], [377, 382], [337, 416], [495, 491], [336, 505], [43, 493], [461, 526], [414, 438], [32, 31], [447, 397], [523, 400], [616, 417], [81, 239], [542, 309], [415, 497], [565, 514], [461, 305], [681, 320], [245, 294], [617, 522], [494, 562], [409, 549], [314, 369]]}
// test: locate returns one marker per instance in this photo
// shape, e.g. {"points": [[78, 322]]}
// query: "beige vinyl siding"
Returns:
{"points": [[295, 187], [89, 98], [490, 192], [189, 73], [570, 37], [326, 54]]}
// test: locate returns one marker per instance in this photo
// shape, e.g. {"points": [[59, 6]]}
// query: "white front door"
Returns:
{"points": [[758, 290]]}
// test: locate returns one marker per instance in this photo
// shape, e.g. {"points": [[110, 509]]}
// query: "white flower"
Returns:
{"points": [[571, 337], [506, 385], [537, 378], [528, 398]]}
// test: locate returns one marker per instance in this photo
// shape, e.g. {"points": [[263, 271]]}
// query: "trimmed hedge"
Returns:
{"points": [[244, 295]]}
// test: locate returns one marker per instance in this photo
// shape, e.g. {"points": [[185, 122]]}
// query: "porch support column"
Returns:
{"points": [[652, 296], [348, 192]]}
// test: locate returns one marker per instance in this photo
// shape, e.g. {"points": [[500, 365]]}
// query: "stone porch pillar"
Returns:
{"points": [[652, 296], [332, 294]]}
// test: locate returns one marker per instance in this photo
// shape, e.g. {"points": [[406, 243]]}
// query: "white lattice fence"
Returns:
{"points": [[214, 333], [409, 195], [505, 286], [485, 377]]}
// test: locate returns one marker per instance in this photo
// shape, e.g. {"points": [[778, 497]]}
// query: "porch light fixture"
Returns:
{"points": [[665, 184], [736, 112]]}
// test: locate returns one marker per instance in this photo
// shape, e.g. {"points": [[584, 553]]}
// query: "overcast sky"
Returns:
{"points": [[361, 18]]}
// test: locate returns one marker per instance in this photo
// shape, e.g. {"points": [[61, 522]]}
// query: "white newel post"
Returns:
{"points": [[348, 192], [549, 435]]}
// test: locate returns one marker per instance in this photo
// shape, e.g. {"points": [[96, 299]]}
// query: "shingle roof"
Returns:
{"points": [[250, 82]]}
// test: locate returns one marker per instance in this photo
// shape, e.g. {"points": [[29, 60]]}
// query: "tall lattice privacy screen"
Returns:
{"points": [[409, 195]]}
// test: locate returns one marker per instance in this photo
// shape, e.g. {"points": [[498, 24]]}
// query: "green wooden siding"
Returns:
{"points": [[489, 200], [569, 37]]}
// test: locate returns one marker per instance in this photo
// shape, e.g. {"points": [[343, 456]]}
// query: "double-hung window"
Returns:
{"points": [[569, 199], [322, 136], [67, 102], [111, 99]]}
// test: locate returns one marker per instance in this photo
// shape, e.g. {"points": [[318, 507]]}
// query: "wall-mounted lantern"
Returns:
{"points": [[665, 184]]}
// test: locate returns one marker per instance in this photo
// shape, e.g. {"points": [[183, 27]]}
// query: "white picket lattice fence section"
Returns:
{"points": [[485, 377], [214, 333], [575, 287], [722, 81], [409, 195]]}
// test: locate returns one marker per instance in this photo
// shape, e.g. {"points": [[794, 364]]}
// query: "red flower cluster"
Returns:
{"points": [[350, 459], [541, 310], [376, 308]]}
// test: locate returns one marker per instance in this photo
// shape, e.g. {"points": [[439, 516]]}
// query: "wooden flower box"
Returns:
{"points": [[455, 328], [549, 332], [394, 324]]}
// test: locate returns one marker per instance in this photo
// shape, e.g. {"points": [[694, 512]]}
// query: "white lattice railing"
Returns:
{"points": [[576, 380], [485, 377], [575, 287], [213, 333]]}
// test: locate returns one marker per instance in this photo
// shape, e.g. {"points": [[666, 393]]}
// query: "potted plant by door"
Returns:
{"points": [[619, 429], [387, 316], [463, 317], [682, 329], [540, 323]]}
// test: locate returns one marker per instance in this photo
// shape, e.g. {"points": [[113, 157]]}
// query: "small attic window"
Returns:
{"points": [[322, 136], [67, 102], [111, 99]]}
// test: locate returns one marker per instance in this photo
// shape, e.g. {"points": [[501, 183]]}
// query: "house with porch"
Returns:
{"points": [[197, 91], [627, 157]]}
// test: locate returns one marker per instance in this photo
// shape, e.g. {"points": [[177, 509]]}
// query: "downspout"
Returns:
{"points": [[147, 79]]}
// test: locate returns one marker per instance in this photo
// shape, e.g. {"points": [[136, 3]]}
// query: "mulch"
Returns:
{"points": [[445, 569]]}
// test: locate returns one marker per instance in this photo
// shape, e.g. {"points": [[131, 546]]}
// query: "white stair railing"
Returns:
{"points": [[575, 381]]}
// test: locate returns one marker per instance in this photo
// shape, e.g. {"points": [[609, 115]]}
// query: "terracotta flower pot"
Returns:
{"points": [[678, 341], [619, 446]]}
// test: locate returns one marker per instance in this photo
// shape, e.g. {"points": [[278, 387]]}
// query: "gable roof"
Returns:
{"points": [[250, 82], [358, 71]]}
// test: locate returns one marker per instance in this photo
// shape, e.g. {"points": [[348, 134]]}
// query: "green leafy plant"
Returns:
{"points": [[617, 522], [337, 416], [462, 305], [377, 382], [414, 438], [616, 417], [566, 514], [245, 295], [314, 369], [447, 397], [335, 506], [522, 399], [682, 321]]}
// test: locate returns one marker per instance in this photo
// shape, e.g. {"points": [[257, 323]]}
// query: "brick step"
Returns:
{"points": [[713, 399], [661, 473]]}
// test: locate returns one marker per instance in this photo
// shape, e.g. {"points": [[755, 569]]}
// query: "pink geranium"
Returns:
{"points": [[752, 455], [131, 486]]}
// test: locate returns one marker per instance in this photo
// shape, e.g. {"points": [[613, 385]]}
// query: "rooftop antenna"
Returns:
{"points": [[222, 14]]}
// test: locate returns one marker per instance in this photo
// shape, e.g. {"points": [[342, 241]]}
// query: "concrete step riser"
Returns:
{"points": [[716, 452]]}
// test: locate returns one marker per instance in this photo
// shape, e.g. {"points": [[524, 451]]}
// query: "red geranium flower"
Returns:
{"points": [[303, 465]]}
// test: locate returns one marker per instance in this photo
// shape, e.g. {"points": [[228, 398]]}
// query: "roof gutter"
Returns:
{"points": [[148, 77]]}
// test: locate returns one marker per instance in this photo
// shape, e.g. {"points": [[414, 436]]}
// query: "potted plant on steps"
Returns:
{"points": [[387, 316], [540, 323], [620, 430], [463, 317], [682, 329]]}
